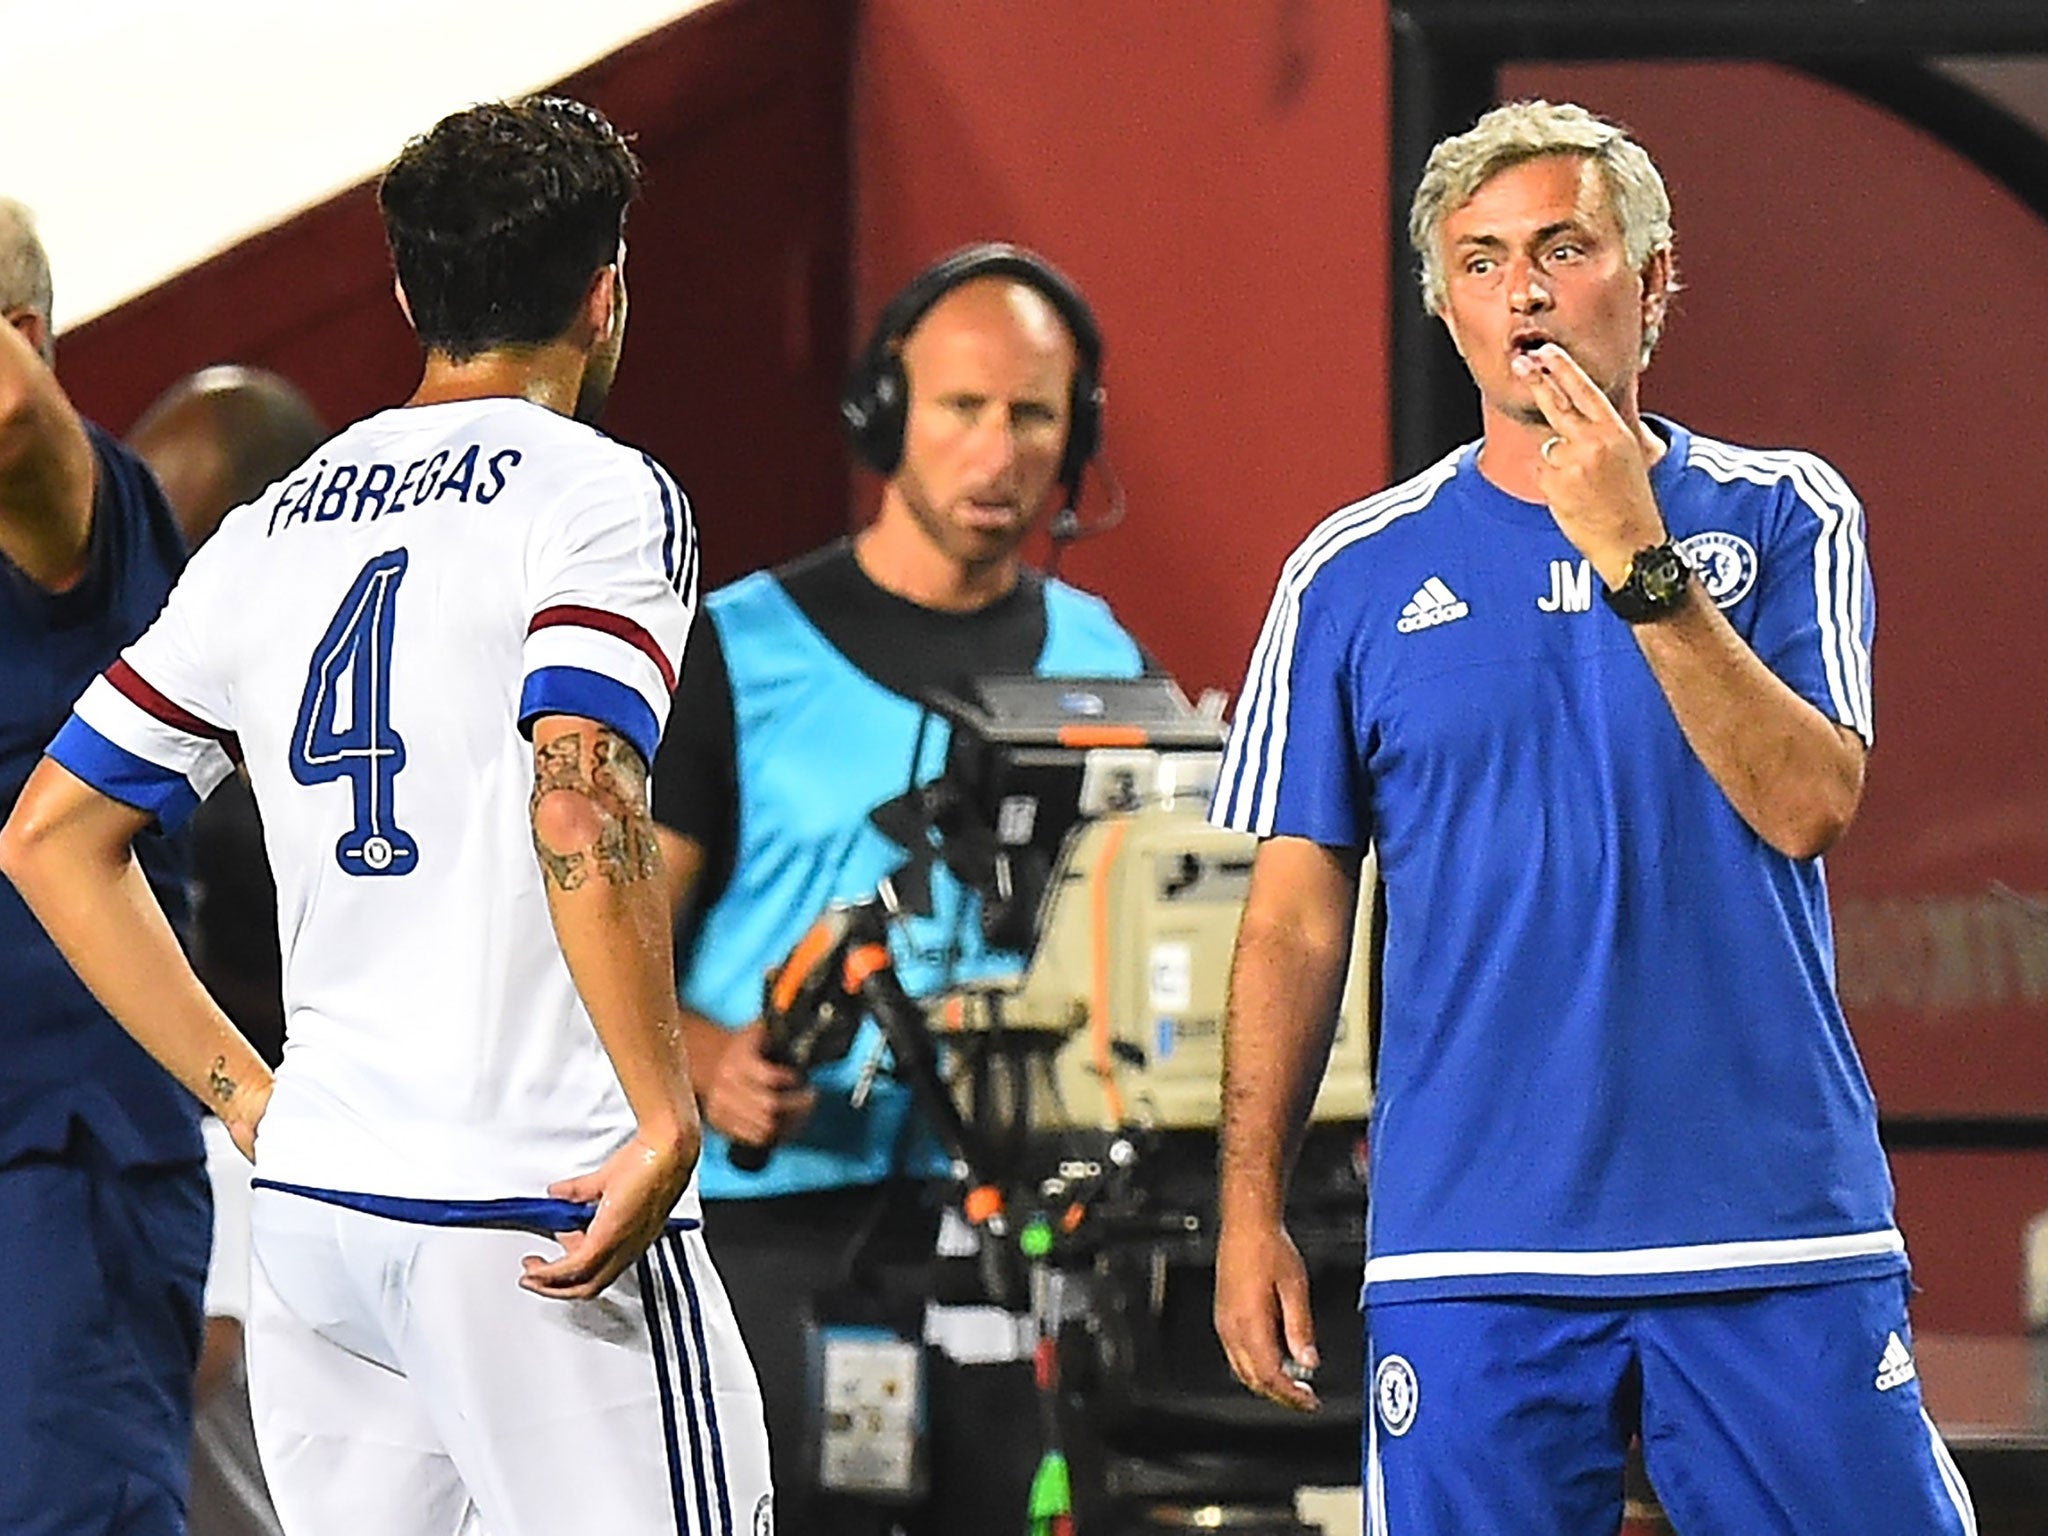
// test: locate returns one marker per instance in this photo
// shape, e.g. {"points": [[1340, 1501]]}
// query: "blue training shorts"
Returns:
{"points": [[1789, 1412], [98, 1341]]}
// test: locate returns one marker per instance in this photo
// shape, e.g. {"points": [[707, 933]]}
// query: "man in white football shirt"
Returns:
{"points": [[483, 1051]]}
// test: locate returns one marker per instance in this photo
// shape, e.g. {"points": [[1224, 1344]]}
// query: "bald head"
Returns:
{"points": [[25, 296], [997, 303], [217, 437]]}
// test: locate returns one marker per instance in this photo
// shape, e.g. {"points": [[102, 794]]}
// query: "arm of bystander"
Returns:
{"points": [[745, 1096], [66, 848]]}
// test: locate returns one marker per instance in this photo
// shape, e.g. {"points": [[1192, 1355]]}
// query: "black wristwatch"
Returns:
{"points": [[1653, 586]]}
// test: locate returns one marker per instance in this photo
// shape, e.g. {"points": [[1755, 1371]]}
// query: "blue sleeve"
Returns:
{"points": [[1291, 768], [1816, 613]]}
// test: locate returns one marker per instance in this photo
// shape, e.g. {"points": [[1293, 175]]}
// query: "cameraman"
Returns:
{"points": [[800, 712]]}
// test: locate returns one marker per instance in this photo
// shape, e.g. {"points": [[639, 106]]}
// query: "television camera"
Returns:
{"points": [[1079, 1096]]}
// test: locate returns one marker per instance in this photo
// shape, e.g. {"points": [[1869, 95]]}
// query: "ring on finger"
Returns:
{"points": [[1548, 444]]}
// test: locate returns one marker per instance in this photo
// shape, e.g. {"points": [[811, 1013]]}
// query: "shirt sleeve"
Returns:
{"points": [[1290, 767], [614, 588], [156, 730], [696, 772], [696, 778], [1816, 611]]}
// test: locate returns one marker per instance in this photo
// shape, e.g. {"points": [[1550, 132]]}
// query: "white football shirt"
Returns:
{"points": [[371, 637]]}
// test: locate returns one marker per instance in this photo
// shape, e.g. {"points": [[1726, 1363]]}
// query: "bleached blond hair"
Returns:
{"points": [[1522, 131]]}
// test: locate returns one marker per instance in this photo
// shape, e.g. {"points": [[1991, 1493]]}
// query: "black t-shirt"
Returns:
{"points": [[908, 649]]}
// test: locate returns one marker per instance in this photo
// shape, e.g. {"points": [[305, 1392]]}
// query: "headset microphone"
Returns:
{"points": [[1067, 527]]}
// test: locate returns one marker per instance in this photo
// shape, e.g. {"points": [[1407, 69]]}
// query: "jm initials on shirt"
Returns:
{"points": [[1571, 588]]}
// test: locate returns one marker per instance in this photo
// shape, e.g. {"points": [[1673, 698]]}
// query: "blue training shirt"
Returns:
{"points": [[67, 1061], [1612, 1061]]}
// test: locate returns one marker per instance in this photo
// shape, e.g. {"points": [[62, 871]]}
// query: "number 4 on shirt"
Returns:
{"points": [[344, 728]]}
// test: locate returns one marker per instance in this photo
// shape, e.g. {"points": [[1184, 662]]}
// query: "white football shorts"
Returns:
{"points": [[403, 1383]]}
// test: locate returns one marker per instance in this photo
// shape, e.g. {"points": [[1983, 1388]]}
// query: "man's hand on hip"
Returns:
{"points": [[634, 1191]]}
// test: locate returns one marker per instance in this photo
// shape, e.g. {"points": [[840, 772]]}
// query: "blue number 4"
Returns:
{"points": [[349, 681]]}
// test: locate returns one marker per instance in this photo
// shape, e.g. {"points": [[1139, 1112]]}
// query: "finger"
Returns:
{"points": [[560, 1289], [1296, 1395], [581, 1287], [1243, 1353], [584, 1189], [546, 1271], [586, 1267], [775, 1077], [793, 1109], [1573, 382], [760, 1075], [1550, 400], [1251, 1342], [1276, 1386], [1297, 1321]]}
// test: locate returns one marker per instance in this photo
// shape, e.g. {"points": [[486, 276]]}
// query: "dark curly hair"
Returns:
{"points": [[498, 217]]}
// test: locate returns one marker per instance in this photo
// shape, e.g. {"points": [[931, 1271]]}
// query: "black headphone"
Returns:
{"points": [[876, 401]]}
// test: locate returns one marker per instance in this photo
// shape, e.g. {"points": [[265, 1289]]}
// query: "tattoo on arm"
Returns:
{"points": [[615, 784], [559, 767], [627, 853], [218, 1083]]}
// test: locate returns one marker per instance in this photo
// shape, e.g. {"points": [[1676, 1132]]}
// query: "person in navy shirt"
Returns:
{"points": [[1597, 691], [102, 1177]]}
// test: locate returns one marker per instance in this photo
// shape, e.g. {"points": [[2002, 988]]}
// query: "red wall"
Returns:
{"points": [[1215, 178], [738, 274]]}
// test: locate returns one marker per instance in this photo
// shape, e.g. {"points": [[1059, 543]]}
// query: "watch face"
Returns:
{"points": [[1657, 578], [1663, 578]]}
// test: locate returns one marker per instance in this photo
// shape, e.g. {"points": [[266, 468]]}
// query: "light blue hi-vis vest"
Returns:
{"points": [[819, 745]]}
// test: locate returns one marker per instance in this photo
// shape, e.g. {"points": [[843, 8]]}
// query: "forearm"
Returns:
{"points": [[1287, 977], [1794, 775], [706, 1042], [70, 858], [682, 862], [1791, 773], [602, 872]]}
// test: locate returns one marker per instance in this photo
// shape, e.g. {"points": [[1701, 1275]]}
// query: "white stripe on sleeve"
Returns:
{"points": [[1248, 786]]}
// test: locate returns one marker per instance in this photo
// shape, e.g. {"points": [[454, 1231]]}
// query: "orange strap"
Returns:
{"points": [[1098, 1003], [863, 961], [1102, 736], [816, 943]]}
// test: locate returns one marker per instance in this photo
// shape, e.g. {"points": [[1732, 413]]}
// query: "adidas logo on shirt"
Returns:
{"points": [[1433, 604], [1895, 1365]]}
